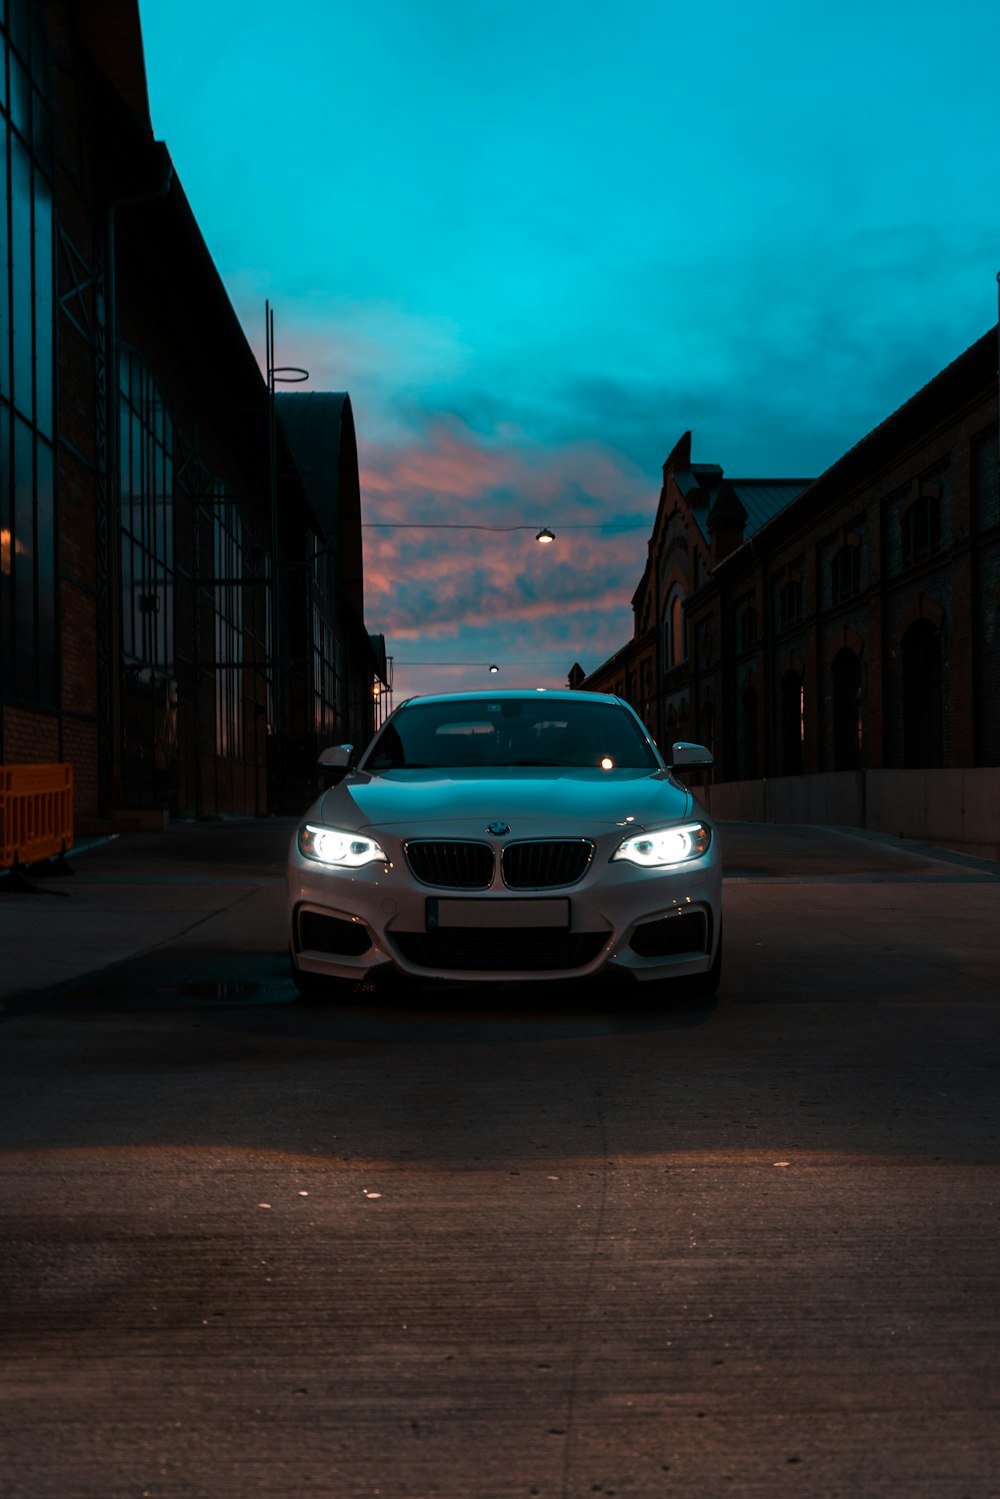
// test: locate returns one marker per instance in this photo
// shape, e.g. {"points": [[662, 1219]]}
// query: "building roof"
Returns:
{"points": [[965, 379], [320, 430], [112, 33], [317, 423], [762, 499]]}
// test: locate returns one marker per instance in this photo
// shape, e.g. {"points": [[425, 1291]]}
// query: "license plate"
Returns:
{"points": [[451, 914]]}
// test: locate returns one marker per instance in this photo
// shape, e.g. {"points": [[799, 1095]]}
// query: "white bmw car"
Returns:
{"points": [[516, 835]]}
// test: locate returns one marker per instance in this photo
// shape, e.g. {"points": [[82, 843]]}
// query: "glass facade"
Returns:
{"points": [[146, 455], [326, 679], [148, 585], [228, 624], [28, 620]]}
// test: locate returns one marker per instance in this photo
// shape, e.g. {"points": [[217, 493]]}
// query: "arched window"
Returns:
{"points": [[792, 723], [847, 741], [846, 573], [921, 527], [677, 628], [674, 646], [923, 708], [646, 689], [707, 731], [790, 604], [748, 734]]}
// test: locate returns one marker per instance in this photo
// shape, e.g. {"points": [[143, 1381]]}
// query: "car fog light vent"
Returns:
{"points": [[346, 939], [671, 936]]}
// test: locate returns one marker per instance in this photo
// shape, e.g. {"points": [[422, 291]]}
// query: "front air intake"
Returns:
{"points": [[333, 935], [450, 865], [544, 864]]}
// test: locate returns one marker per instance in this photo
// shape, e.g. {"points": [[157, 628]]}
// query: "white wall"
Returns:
{"points": [[957, 809]]}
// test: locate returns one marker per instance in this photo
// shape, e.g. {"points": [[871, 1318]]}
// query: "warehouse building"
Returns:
{"points": [[850, 623], [181, 605]]}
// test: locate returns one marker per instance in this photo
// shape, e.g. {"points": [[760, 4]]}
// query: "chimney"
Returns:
{"points": [[679, 460]]}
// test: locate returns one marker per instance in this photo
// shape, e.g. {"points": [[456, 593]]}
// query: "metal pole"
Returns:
{"points": [[274, 644]]}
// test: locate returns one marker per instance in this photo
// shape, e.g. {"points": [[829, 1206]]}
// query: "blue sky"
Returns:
{"points": [[538, 241]]}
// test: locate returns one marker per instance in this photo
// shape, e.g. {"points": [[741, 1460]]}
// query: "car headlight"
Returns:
{"points": [[339, 849], [660, 849]]}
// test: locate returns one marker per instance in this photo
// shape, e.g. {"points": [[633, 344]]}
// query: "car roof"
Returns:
{"points": [[560, 694]]}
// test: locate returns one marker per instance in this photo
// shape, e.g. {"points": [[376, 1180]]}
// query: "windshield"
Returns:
{"points": [[511, 732]]}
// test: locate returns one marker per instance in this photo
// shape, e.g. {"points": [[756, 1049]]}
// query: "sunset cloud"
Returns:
{"points": [[430, 582]]}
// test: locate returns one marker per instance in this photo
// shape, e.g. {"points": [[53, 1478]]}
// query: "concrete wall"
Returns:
{"points": [[957, 809]]}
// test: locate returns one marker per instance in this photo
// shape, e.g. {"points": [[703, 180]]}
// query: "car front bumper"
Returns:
{"points": [[653, 925]]}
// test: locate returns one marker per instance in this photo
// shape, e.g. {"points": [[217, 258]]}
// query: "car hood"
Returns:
{"points": [[529, 800]]}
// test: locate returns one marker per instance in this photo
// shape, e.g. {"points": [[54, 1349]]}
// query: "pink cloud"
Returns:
{"points": [[451, 461], [470, 594], [437, 593]]}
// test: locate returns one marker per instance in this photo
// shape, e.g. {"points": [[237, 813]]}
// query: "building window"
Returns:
{"points": [[789, 604], [923, 698], [646, 689], [847, 730], [793, 723], [326, 679], [845, 572], [29, 660], [748, 628], [921, 528], [146, 541], [748, 734], [708, 727], [227, 595], [986, 479], [146, 488], [675, 646]]}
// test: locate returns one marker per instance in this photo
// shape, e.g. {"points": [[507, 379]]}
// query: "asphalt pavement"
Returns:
{"points": [[217, 883], [506, 1245]]}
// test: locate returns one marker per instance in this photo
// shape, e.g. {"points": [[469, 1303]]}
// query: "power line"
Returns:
{"points": [[436, 525], [604, 525], [487, 665]]}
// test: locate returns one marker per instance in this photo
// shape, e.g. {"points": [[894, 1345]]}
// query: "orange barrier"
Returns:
{"points": [[36, 812]]}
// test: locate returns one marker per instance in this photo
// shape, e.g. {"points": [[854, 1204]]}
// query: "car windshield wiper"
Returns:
{"points": [[377, 765], [564, 764]]}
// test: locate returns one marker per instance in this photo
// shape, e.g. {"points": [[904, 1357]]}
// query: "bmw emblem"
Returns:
{"points": [[498, 828]]}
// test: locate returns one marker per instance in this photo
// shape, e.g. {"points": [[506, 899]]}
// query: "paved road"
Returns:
{"points": [[512, 1243]]}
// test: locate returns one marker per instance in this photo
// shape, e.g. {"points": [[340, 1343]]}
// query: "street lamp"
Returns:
{"points": [[491, 666], [544, 535]]}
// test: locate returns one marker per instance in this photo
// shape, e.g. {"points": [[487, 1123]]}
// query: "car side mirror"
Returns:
{"points": [[686, 756], [335, 762]]}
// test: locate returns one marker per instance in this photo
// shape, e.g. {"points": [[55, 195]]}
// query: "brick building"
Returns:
{"points": [[701, 516], [850, 623], [180, 613]]}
